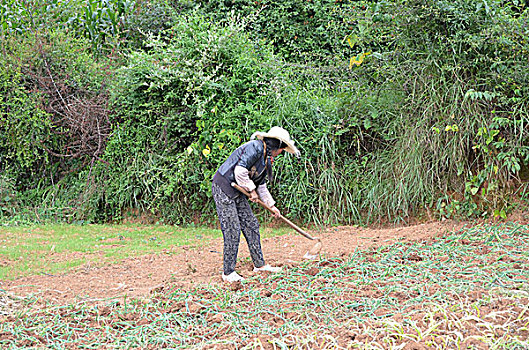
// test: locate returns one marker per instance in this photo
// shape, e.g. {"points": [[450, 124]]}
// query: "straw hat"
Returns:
{"points": [[281, 134]]}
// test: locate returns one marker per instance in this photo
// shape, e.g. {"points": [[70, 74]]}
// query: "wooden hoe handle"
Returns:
{"points": [[290, 223]]}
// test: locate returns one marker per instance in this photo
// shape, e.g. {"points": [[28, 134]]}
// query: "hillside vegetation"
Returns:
{"points": [[400, 108]]}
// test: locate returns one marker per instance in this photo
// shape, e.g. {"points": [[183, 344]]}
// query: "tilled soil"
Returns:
{"points": [[436, 285], [191, 266]]}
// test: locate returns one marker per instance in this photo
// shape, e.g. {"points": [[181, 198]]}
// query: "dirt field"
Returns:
{"points": [[441, 285], [191, 266]]}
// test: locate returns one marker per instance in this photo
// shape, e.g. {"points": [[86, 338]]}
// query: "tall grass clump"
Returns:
{"points": [[453, 142], [473, 109]]}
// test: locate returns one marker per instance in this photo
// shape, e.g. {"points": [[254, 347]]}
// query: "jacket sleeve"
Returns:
{"points": [[243, 179], [265, 195]]}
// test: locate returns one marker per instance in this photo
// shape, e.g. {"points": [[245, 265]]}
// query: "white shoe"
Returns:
{"points": [[232, 277], [267, 268]]}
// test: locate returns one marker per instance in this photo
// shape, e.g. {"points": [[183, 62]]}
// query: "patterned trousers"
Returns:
{"points": [[235, 215]]}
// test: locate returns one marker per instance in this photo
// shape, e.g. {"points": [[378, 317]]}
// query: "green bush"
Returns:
{"points": [[400, 108], [53, 116], [299, 30], [198, 88], [23, 124], [456, 138]]}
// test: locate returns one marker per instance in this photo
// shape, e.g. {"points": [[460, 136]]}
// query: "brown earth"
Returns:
{"points": [[190, 266]]}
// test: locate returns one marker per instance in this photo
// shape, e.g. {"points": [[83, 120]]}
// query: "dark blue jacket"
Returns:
{"points": [[251, 156]]}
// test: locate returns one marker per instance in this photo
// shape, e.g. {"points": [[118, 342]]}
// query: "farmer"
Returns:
{"points": [[248, 166]]}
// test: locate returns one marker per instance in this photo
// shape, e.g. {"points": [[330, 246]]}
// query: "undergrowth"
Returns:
{"points": [[400, 108]]}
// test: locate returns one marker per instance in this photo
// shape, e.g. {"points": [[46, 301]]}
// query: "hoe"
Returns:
{"points": [[314, 251]]}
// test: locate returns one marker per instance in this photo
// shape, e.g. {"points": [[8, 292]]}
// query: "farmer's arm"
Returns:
{"points": [[243, 179], [265, 195]]}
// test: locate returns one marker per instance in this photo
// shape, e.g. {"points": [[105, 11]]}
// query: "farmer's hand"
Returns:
{"points": [[275, 212], [253, 196]]}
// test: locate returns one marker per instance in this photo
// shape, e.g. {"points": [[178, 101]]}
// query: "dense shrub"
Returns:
{"points": [[180, 107], [299, 30], [400, 108], [53, 117], [461, 64]]}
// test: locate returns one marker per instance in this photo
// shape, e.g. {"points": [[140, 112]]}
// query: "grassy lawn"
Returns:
{"points": [[51, 249]]}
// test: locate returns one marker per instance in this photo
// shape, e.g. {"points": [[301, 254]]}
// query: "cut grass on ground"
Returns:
{"points": [[33, 250]]}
